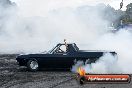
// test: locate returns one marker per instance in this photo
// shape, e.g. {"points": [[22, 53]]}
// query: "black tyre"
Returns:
{"points": [[32, 65], [81, 80]]}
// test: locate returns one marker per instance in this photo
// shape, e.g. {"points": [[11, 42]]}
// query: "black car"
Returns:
{"points": [[61, 56]]}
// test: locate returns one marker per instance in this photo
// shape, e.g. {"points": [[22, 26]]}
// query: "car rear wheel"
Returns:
{"points": [[32, 65]]}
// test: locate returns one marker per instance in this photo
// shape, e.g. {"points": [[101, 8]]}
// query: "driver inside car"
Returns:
{"points": [[62, 49]]}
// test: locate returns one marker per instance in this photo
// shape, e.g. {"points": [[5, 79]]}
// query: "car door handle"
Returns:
{"points": [[64, 54]]}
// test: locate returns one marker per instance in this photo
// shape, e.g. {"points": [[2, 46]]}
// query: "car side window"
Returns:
{"points": [[61, 49]]}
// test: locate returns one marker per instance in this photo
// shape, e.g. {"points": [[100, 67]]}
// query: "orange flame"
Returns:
{"points": [[81, 71]]}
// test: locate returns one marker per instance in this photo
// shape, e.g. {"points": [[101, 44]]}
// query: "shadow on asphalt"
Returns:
{"points": [[45, 70]]}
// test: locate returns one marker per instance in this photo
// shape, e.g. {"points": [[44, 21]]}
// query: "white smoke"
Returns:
{"points": [[77, 65], [32, 27], [37, 33], [120, 42], [106, 64]]}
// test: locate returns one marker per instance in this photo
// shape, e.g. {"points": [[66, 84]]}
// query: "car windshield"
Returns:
{"points": [[60, 48], [53, 49]]}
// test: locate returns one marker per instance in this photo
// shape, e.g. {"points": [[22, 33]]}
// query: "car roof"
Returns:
{"points": [[64, 44]]}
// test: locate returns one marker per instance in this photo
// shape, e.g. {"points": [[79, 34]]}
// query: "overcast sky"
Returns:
{"points": [[37, 7]]}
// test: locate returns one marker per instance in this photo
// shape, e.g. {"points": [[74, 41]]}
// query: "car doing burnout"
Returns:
{"points": [[62, 56]]}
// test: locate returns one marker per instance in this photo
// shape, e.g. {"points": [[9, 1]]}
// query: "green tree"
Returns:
{"points": [[128, 15]]}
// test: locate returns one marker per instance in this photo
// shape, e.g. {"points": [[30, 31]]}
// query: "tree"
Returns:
{"points": [[128, 15]]}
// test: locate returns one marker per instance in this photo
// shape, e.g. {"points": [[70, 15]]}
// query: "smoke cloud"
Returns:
{"points": [[106, 64], [119, 42], [31, 34], [41, 29]]}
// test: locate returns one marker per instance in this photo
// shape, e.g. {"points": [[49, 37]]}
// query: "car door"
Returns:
{"points": [[61, 58], [58, 59]]}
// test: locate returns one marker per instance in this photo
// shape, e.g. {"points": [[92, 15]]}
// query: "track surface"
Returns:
{"points": [[13, 76]]}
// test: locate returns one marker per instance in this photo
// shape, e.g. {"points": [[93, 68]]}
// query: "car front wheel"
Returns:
{"points": [[32, 65]]}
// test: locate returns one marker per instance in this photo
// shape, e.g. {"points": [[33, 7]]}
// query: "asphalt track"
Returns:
{"points": [[13, 76]]}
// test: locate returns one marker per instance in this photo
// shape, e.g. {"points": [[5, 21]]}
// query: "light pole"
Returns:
{"points": [[121, 4]]}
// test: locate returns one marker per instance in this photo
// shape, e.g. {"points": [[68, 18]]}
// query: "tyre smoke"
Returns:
{"points": [[27, 32], [35, 26]]}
